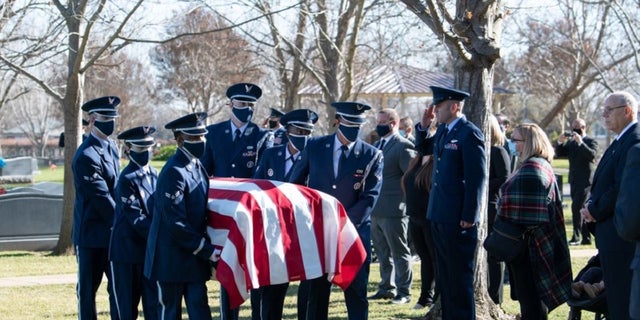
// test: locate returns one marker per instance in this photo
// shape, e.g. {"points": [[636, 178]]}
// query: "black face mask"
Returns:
{"points": [[578, 131], [273, 124]]}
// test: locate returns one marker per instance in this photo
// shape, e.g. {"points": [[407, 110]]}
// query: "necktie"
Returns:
{"points": [[343, 158], [444, 134], [147, 176], [382, 142], [236, 136]]}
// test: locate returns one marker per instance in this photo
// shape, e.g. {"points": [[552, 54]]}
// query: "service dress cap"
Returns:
{"points": [[105, 106], [244, 92], [192, 124], [276, 113], [441, 94], [138, 136], [351, 111], [301, 118]]}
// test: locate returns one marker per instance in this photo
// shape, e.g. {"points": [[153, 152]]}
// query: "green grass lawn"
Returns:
{"points": [[59, 301]]}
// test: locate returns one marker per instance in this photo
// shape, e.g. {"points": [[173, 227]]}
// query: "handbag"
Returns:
{"points": [[506, 241]]}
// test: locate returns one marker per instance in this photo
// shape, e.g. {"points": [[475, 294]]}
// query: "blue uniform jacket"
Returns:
{"points": [[178, 248], [357, 186], [95, 172], [272, 164], [459, 173], [224, 157], [134, 204]]}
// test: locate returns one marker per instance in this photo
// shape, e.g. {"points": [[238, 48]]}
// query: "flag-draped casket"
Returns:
{"points": [[271, 232]]}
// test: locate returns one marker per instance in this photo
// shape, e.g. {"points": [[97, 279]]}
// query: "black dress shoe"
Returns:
{"points": [[585, 242], [382, 295]]}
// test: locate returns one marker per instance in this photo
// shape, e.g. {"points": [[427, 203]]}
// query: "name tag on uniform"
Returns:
{"points": [[451, 146]]}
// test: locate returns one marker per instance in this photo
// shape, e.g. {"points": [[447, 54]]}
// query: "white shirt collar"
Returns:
{"points": [[625, 129], [337, 144]]}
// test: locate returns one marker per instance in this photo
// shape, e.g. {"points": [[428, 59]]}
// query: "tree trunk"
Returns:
{"points": [[71, 101]]}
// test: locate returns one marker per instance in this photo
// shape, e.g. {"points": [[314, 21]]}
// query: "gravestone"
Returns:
{"points": [[21, 166], [31, 217]]}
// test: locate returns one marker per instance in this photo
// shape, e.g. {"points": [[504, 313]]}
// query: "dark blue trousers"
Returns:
{"points": [[226, 313], [92, 264], [129, 287], [316, 292], [267, 302], [455, 263], [617, 276], [170, 300]]}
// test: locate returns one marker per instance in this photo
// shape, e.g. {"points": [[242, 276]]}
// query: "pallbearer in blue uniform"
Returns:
{"points": [[134, 205], [457, 189], [95, 168], [233, 150], [234, 146], [276, 163], [277, 129], [179, 252], [349, 169]]}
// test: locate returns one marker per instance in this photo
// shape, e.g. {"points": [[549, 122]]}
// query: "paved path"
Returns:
{"points": [[26, 281]]}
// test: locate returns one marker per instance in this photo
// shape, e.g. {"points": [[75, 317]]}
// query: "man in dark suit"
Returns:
{"points": [[95, 166], [349, 169], [389, 222], [459, 175], [179, 252], [134, 189], [581, 152], [234, 146], [275, 164], [620, 116], [627, 221]]}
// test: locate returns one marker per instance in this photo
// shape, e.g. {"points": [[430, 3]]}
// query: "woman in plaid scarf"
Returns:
{"points": [[530, 198]]}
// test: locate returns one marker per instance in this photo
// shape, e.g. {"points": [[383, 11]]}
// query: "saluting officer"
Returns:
{"points": [[276, 163], [134, 189], [278, 130], [235, 145], [95, 172], [457, 188], [349, 169], [179, 252]]}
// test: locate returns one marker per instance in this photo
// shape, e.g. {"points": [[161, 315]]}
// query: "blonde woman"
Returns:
{"points": [[499, 169], [542, 272]]}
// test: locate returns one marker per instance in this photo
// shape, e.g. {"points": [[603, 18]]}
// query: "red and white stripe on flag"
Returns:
{"points": [[272, 232]]}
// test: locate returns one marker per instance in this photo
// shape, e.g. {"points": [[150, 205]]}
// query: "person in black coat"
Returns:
{"points": [[581, 152], [627, 220], [499, 169], [620, 116], [416, 184]]}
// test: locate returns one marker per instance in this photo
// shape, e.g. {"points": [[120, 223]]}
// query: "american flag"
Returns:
{"points": [[272, 232]]}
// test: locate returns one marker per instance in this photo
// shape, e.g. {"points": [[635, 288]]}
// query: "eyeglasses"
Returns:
{"points": [[607, 110]]}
